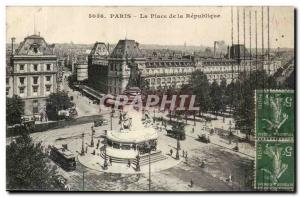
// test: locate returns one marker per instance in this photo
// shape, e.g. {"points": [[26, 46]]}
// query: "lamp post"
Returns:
{"points": [[111, 116], [105, 156], [138, 168], [185, 118], [148, 147], [194, 118], [177, 148], [82, 147], [92, 140]]}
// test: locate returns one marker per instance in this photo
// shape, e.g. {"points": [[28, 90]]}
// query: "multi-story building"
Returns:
{"points": [[97, 66], [239, 60], [170, 72], [81, 68], [158, 72], [32, 73]]}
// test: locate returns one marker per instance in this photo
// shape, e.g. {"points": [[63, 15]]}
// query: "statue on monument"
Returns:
{"points": [[135, 75]]}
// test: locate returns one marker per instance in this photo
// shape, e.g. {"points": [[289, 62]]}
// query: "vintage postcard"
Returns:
{"points": [[150, 99]]}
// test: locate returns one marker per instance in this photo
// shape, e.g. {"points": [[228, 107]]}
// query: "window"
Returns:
{"points": [[48, 67], [35, 67], [7, 80], [21, 66], [35, 80], [35, 89], [22, 79], [48, 88], [7, 91], [35, 106], [48, 78], [22, 90]]}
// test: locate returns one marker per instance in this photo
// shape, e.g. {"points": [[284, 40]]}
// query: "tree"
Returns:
{"points": [[178, 129], [28, 168], [216, 97], [56, 102], [223, 86], [200, 87], [244, 114], [14, 110]]}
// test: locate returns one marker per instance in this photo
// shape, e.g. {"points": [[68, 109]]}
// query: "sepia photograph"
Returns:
{"points": [[150, 99]]}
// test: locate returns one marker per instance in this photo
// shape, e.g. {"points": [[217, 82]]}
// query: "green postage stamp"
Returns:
{"points": [[274, 128], [274, 165], [275, 113]]}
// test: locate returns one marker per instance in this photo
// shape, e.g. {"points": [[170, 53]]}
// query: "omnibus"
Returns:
{"points": [[63, 157]]}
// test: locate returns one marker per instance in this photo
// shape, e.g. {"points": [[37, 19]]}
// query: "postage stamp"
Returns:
{"points": [[274, 165], [275, 113]]}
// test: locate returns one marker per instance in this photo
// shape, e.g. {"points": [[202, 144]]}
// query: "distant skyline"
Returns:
{"points": [[72, 24]]}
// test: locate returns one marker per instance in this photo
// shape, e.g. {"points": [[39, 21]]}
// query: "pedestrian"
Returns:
{"points": [[46, 117], [110, 161], [41, 117], [182, 153], [192, 183], [171, 152], [129, 163], [186, 154]]}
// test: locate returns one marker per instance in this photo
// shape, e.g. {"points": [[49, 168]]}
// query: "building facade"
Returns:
{"points": [[171, 72], [32, 73], [98, 66]]}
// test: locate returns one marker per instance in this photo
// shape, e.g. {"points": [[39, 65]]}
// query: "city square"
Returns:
{"points": [[147, 114]]}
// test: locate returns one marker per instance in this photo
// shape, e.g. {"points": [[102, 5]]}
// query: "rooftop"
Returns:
{"points": [[127, 49], [34, 45], [99, 49]]}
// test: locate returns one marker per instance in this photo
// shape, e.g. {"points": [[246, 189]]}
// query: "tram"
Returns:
{"points": [[63, 157]]}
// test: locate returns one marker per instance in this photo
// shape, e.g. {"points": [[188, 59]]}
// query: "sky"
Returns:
{"points": [[66, 24]]}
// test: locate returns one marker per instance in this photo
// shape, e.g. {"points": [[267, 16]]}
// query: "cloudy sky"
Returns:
{"points": [[66, 24]]}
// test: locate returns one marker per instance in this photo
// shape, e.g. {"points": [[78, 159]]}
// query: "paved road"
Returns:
{"points": [[84, 105], [221, 163]]}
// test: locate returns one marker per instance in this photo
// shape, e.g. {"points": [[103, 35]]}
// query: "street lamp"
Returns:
{"points": [[148, 147], [92, 140], [105, 156], [138, 168], [82, 147], [194, 118], [111, 116], [177, 148], [185, 118]]}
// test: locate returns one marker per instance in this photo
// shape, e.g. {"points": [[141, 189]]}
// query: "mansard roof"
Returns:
{"points": [[99, 49], [169, 63], [127, 49], [34, 45]]}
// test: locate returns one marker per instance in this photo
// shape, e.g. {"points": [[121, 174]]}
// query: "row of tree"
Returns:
{"points": [[237, 97]]}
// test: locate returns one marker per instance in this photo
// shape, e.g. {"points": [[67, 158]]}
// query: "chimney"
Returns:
{"points": [[12, 45], [228, 55], [215, 43]]}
